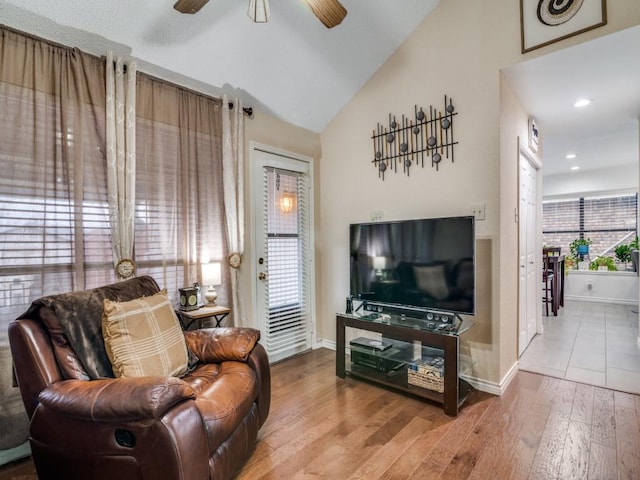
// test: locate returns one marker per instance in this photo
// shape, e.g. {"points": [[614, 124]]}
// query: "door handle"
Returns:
{"points": [[262, 276]]}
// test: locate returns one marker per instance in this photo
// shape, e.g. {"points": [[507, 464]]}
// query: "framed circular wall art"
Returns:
{"points": [[543, 22]]}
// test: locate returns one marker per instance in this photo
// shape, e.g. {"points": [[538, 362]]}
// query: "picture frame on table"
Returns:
{"points": [[543, 22]]}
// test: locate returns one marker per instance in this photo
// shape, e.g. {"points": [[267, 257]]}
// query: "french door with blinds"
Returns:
{"points": [[283, 254]]}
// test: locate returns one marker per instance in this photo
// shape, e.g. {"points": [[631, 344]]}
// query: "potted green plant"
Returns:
{"points": [[623, 253], [603, 263], [580, 247]]}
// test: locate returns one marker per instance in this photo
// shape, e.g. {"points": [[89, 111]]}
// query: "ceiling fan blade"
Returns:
{"points": [[329, 12], [189, 6]]}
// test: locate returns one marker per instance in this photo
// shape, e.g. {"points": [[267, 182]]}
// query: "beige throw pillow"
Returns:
{"points": [[143, 337]]}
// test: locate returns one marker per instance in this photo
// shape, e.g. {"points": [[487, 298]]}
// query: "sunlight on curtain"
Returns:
{"points": [[54, 225], [179, 192]]}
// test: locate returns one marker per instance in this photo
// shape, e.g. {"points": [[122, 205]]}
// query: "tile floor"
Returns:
{"points": [[593, 343]]}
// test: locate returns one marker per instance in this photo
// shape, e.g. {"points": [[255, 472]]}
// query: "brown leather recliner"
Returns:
{"points": [[200, 426]]}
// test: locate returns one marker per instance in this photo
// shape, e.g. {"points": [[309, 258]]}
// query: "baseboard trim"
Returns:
{"points": [[330, 344], [15, 453], [492, 387], [617, 301]]}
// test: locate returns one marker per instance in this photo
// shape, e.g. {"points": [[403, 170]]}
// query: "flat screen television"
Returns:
{"points": [[415, 264]]}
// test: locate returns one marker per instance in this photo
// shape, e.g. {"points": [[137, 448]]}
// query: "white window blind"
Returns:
{"points": [[158, 206], [54, 223], [607, 220], [179, 194], [287, 261]]}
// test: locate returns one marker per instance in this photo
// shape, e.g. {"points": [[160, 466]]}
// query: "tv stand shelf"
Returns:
{"points": [[390, 366]]}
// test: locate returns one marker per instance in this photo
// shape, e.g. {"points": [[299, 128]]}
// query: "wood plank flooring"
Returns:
{"points": [[322, 427]]}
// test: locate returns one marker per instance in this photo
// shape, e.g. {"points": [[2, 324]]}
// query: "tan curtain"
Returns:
{"points": [[179, 190], [233, 173], [121, 156], [54, 232]]}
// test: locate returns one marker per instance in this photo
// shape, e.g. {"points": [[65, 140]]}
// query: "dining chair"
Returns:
{"points": [[547, 283]]}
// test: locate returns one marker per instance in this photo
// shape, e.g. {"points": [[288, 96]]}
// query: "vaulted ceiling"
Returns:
{"points": [[294, 68], [291, 67]]}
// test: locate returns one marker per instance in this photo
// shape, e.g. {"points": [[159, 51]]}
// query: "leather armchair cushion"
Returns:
{"points": [[143, 337], [212, 345], [225, 394], [119, 400]]}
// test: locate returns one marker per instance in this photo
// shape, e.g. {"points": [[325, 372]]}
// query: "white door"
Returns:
{"points": [[529, 286], [283, 252]]}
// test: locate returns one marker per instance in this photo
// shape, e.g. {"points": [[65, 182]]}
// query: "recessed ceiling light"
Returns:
{"points": [[569, 156], [583, 102], [575, 167]]}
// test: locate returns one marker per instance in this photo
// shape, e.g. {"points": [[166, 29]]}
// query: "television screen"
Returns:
{"points": [[415, 264]]}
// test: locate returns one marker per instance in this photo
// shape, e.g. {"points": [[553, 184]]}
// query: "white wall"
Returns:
{"points": [[592, 181], [424, 69], [458, 50]]}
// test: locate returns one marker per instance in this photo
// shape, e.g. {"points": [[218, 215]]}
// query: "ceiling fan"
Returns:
{"points": [[329, 12]]}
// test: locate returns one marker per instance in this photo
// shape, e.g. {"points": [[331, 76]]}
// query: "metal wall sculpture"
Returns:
{"points": [[427, 137]]}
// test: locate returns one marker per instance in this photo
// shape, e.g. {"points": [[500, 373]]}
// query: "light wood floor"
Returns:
{"points": [[322, 427]]}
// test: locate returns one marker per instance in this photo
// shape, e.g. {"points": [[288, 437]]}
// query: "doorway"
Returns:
{"points": [[575, 142], [283, 252]]}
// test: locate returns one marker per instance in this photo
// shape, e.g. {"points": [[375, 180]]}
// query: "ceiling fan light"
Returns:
{"points": [[259, 11]]}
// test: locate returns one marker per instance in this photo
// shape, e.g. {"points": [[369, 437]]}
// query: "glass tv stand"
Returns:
{"points": [[416, 356]]}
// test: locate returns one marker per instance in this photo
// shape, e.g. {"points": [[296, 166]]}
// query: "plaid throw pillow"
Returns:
{"points": [[143, 337]]}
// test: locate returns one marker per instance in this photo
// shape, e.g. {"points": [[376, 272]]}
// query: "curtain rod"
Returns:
{"points": [[248, 111]]}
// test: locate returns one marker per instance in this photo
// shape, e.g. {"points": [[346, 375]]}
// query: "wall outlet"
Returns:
{"points": [[376, 216], [478, 211]]}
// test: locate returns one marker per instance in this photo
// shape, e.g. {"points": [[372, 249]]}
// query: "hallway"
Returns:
{"points": [[593, 343]]}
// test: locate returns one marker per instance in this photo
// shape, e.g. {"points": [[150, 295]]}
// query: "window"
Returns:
{"points": [[179, 192], [54, 222], [54, 215], [607, 220]]}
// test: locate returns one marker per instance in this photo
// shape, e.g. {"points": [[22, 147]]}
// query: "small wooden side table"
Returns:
{"points": [[189, 317]]}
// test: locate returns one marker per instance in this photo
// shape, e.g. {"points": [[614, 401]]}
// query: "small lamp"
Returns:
{"points": [[211, 275], [379, 264], [287, 200], [259, 11]]}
